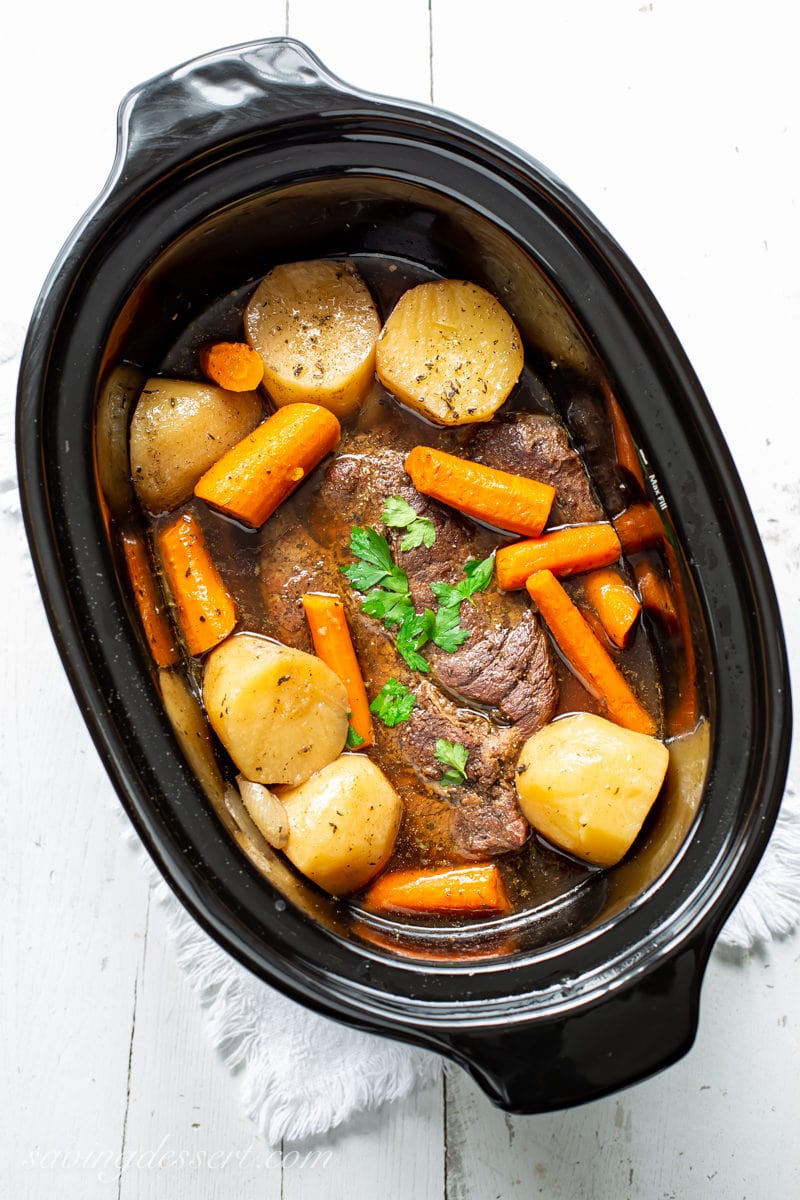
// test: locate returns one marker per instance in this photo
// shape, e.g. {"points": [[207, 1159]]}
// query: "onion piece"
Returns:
{"points": [[268, 814]]}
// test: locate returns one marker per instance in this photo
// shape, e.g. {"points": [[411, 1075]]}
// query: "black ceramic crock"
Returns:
{"points": [[257, 154]]}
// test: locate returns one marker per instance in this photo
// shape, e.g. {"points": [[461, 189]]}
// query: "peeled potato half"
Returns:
{"points": [[178, 430], [280, 713], [587, 785], [315, 326], [343, 823], [450, 351]]}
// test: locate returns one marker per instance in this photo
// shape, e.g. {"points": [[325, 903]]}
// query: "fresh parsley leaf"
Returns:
{"points": [[479, 575], [393, 703], [376, 564], [372, 547], [414, 632], [421, 533], [398, 514], [389, 607], [363, 576], [447, 595], [353, 739], [447, 633], [454, 756]]}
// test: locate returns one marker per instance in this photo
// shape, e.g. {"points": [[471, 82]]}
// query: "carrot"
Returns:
{"points": [[333, 644], [586, 655], [639, 528], [614, 602], [206, 612], [463, 891], [564, 552], [260, 471], [627, 453], [656, 593], [151, 607], [235, 366], [500, 498]]}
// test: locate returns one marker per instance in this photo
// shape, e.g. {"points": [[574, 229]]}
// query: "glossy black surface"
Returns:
{"points": [[257, 149]]}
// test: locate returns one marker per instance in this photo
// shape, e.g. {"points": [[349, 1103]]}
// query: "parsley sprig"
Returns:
{"points": [[398, 514], [387, 598], [393, 703], [454, 756]]}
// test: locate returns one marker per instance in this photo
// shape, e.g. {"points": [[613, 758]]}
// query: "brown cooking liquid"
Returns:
{"points": [[534, 875]]}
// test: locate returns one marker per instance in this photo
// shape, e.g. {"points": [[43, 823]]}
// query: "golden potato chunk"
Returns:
{"points": [[178, 430], [343, 824], [587, 785], [450, 351], [280, 713], [315, 326]]}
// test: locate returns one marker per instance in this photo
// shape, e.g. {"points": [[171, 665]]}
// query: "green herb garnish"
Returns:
{"points": [[393, 703], [454, 755], [398, 514], [386, 591], [353, 739], [376, 564]]}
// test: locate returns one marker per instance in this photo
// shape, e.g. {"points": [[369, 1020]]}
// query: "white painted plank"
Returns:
{"points": [[717, 1124], [396, 1151], [186, 1135], [73, 916]]}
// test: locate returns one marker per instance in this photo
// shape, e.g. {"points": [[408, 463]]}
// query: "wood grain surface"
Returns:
{"points": [[678, 123]]}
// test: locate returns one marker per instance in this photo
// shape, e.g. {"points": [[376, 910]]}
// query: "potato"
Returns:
{"points": [[178, 431], [280, 713], [587, 785], [343, 824], [315, 326], [450, 351]]}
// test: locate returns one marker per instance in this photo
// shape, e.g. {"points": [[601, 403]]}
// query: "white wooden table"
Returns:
{"points": [[678, 122]]}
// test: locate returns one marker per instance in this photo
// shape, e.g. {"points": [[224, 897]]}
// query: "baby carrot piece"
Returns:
{"points": [[460, 891], [508, 501], [235, 366], [564, 552], [260, 471], [333, 644], [639, 528], [627, 454], [656, 594], [206, 612], [586, 655], [151, 607], [614, 602]]}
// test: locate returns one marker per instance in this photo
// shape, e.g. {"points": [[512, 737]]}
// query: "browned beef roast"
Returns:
{"points": [[537, 445], [506, 663], [478, 819]]}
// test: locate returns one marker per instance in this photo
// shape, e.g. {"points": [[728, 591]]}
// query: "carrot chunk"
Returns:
{"points": [[565, 551], [205, 609], [639, 528], [459, 891], [508, 501], [260, 471], [656, 594], [151, 607], [586, 654], [235, 366], [627, 454], [334, 645], [614, 602]]}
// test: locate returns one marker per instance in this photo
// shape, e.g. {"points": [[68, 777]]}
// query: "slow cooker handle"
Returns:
{"points": [[219, 98], [624, 1037]]}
